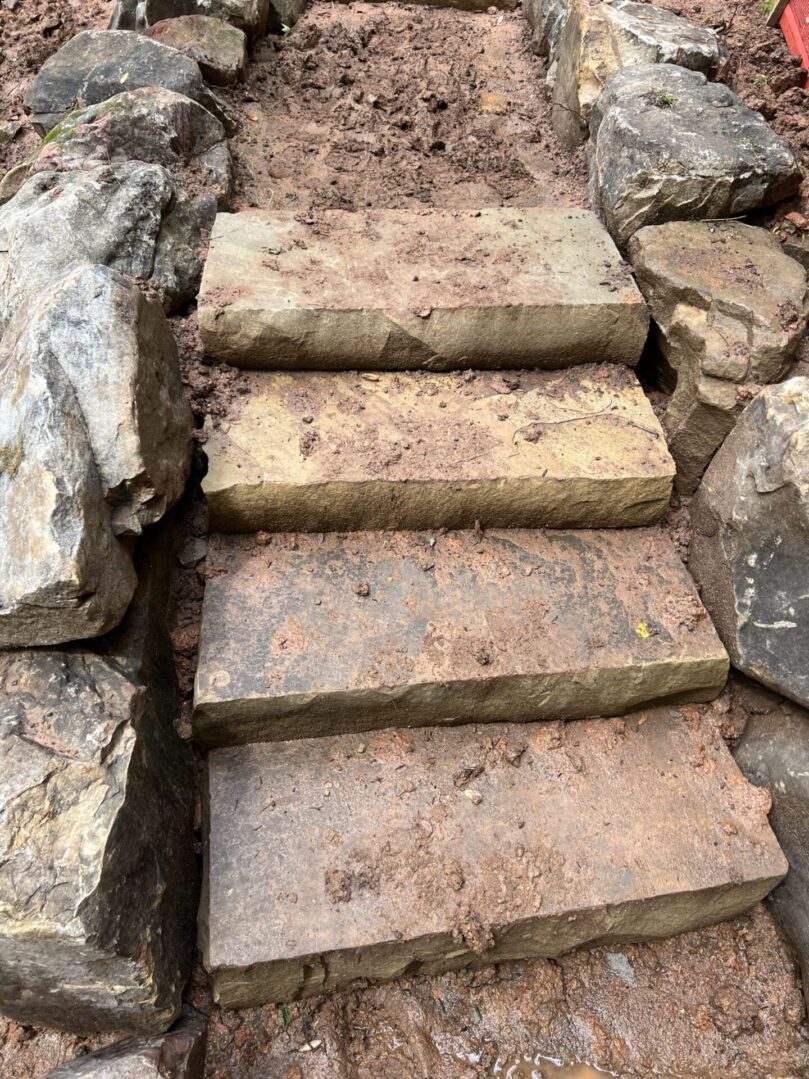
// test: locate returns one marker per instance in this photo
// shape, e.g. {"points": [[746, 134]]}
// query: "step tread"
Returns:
{"points": [[433, 849], [321, 634], [315, 451], [434, 288]]}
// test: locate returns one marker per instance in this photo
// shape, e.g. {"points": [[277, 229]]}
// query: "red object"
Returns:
{"points": [[794, 23]]}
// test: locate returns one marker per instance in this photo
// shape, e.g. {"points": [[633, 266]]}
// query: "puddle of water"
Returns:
{"points": [[540, 1067]]}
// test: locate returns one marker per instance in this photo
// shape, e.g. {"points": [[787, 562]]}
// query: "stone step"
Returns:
{"points": [[435, 289], [319, 451], [308, 635], [423, 851]]}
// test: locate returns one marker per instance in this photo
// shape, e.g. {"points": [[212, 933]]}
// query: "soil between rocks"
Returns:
{"points": [[393, 106]]}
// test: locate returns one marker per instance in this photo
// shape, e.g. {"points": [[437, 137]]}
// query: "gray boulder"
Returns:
{"points": [[63, 574], [251, 16], [218, 48], [97, 873], [152, 125], [729, 310], [667, 145], [98, 64], [96, 442], [177, 1054], [131, 217], [773, 752], [116, 348], [600, 39], [749, 550], [547, 21]]}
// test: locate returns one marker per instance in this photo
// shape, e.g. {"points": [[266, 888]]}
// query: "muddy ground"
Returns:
{"points": [[392, 106]]}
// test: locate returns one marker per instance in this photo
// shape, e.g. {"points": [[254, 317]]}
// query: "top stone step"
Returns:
{"points": [[432, 289]]}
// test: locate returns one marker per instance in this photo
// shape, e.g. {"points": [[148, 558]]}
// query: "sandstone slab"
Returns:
{"points": [[219, 48], [773, 753], [131, 217], [729, 310], [97, 64], [436, 289], [251, 16], [329, 452], [434, 850], [748, 550], [667, 145], [177, 1054], [599, 39], [97, 870], [150, 124], [313, 635]]}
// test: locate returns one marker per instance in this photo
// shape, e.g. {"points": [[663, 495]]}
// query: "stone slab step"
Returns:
{"points": [[319, 451], [423, 851], [436, 289], [312, 635]]}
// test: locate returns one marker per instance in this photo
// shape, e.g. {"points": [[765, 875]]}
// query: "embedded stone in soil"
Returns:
{"points": [[318, 634], [316, 451], [432, 850]]}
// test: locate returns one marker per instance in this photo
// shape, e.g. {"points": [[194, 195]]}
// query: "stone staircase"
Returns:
{"points": [[340, 604]]}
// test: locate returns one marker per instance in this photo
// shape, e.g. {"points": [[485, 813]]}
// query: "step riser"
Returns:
{"points": [[434, 290], [417, 852], [522, 699], [547, 938], [315, 635], [352, 507]]}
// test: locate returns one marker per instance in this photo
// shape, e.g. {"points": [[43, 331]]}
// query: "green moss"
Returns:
{"points": [[11, 458]]}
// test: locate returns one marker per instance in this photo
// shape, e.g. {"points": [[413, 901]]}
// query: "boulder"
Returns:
{"points": [[599, 39], [251, 16], [150, 124], [219, 48], [132, 217], [729, 310], [177, 1054], [116, 348], [97, 867], [667, 145], [63, 574], [96, 442], [773, 752], [749, 550], [98, 64], [547, 21]]}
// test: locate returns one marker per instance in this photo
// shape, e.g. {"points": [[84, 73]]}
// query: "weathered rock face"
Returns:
{"points": [[667, 145], [729, 309], [218, 48], [774, 753], [152, 125], [97, 875], [749, 551], [547, 21], [63, 574], [599, 39], [117, 350], [251, 16], [132, 218], [96, 64], [178, 1054], [96, 441]]}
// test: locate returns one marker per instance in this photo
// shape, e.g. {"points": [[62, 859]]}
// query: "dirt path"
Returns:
{"points": [[390, 106]]}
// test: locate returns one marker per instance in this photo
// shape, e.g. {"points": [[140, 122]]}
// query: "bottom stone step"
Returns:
{"points": [[434, 849]]}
